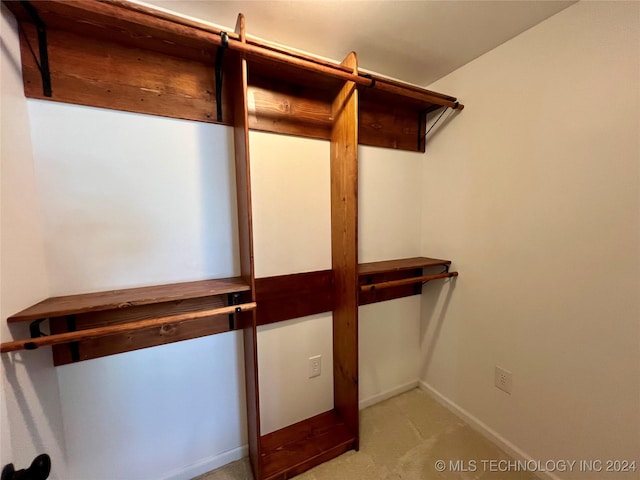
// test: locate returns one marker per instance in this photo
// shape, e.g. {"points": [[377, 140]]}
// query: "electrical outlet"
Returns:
{"points": [[315, 366], [503, 379]]}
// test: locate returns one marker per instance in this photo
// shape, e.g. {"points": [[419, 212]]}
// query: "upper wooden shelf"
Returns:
{"points": [[125, 56], [126, 23], [399, 265], [144, 27], [116, 299]]}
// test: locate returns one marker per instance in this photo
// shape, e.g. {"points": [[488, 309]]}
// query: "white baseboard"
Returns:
{"points": [[208, 464], [392, 392], [483, 429]]}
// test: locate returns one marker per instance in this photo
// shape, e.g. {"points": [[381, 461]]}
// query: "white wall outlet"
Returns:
{"points": [[315, 366], [503, 379]]}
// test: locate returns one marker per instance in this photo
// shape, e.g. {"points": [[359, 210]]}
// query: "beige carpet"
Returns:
{"points": [[402, 438]]}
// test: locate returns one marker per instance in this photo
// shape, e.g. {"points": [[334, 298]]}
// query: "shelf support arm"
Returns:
{"points": [[35, 332], [224, 38], [43, 64]]}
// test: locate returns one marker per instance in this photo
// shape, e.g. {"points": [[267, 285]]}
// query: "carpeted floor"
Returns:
{"points": [[402, 439]]}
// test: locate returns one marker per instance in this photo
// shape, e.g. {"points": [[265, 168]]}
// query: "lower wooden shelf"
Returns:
{"points": [[303, 445], [93, 325], [391, 279]]}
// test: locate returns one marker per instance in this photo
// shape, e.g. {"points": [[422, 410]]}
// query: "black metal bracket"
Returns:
{"points": [[34, 328], [35, 332], [421, 114], [234, 299], [43, 63], [219, 59], [436, 122], [370, 77]]}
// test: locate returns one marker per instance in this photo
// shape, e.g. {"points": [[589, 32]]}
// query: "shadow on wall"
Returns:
{"points": [[434, 312], [438, 124], [7, 53], [31, 386]]}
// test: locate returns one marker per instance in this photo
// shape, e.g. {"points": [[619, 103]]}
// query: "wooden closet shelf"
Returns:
{"points": [[120, 55], [117, 299], [130, 327], [373, 268], [303, 445], [128, 24], [391, 279]]}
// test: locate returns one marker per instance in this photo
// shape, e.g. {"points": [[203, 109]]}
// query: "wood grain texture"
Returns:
{"points": [[383, 295], [250, 337], [111, 22], [117, 56], [292, 109], [297, 295], [92, 333], [280, 107], [303, 445], [238, 72], [403, 270], [142, 27], [118, 299], [344, 249], [238, 83], [400, 264], [389, 124], [100, 73], [115, 344]]}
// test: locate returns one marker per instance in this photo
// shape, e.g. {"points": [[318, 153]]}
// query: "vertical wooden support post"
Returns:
{"points": [[238, 85], [344, 249]]}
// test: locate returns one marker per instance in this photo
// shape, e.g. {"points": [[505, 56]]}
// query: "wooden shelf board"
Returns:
{"points": [[116, 299], [112, 22], [303, 445], [297, 295], [398, 265], [107, 55], [146, 28]]}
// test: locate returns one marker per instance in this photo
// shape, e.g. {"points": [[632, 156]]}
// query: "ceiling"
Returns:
{"points": [[416, 41]]}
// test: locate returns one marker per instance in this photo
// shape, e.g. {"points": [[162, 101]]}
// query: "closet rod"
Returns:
{"points": [[406, 281], [315, 65], [186, 22], [91, 333]]}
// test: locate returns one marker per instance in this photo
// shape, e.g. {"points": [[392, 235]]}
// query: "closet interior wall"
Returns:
{"points": [[124, 56]]}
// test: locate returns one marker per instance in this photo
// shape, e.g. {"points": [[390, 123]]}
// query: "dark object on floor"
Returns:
{"points": [[39, 470]]}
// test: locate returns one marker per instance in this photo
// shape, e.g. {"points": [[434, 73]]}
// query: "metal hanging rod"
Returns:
{"points": [[253, 49]]}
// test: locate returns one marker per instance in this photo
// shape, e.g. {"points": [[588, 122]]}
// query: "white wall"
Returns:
{"points": [[134, 200], [534, 192], [131, 200], [291, 200], [292, 230], [389, 184], [31, 414]]}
